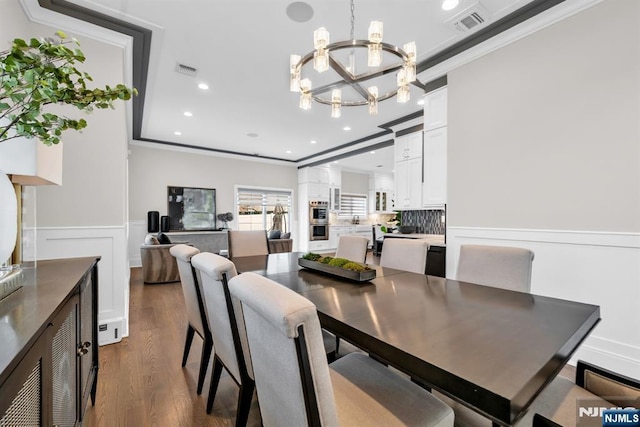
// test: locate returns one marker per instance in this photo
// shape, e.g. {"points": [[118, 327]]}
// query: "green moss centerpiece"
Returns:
{"points": [[340, 267]]}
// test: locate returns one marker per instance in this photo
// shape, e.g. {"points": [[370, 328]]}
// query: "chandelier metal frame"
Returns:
{"points": [[353, 80]]}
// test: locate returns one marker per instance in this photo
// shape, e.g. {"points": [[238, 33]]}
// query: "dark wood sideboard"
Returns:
{"points": [[49, 352]]}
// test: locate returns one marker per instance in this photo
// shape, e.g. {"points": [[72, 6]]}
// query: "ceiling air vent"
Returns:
{"points": [[186, 70], [470, 18]]}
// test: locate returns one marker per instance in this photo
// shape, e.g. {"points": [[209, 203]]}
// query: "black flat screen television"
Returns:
{"points": [[191, 208]]}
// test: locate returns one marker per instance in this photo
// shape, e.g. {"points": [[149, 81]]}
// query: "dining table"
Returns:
{"points": [[490, 349]]}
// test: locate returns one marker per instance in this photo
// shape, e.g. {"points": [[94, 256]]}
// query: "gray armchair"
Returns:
{"points": [[158, 266]]}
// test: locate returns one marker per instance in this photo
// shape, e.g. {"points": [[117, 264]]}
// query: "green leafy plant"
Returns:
{"points": [[41, 72]]}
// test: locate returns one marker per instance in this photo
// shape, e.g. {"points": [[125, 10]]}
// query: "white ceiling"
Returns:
{"points": [[241, 50]]}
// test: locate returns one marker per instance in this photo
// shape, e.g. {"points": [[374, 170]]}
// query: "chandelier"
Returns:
{"points": [[347, 86]]}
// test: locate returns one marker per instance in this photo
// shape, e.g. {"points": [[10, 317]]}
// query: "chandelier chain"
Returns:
{"points": [[353, 21]]}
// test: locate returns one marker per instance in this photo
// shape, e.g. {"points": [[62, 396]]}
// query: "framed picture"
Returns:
{"points": [[191, 208]]}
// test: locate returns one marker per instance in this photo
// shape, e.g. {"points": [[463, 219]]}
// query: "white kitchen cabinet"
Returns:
{"points": [[435, 169], [408, 179], [408, 147], [318, 191], [435, 109], [381, 194], [316, 174], [319, 246], [334, 199], [408, 171], [335, 176], [335, 231]]}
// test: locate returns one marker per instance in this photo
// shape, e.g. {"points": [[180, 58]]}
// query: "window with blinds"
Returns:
{"points": [[263, 209], [353, 205]]}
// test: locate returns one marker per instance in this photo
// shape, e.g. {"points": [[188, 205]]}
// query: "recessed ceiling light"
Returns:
{"points": [[421, 101], [203, 86], [177, 133], [347, 128], [335, 161], [288, 151], [188, 113], [449, 4], [372, 152], [314, 141]]}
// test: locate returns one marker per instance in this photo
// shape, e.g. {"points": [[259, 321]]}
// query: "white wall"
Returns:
{"points": [[87, 215], [354, 183], [151, 170], [544, 153]]}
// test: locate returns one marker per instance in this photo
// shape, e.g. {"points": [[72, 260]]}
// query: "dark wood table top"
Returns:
{"points": [[26, 313], [492, 349]]}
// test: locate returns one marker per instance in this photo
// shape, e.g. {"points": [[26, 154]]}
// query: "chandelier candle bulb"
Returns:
{"points": [[336, 101], [375, 32], [320, 38], [305, 94], [373, 100], [294, 82]]}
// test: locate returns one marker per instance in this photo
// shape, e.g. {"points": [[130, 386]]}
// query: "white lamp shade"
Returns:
{"points": [[30, 162]]}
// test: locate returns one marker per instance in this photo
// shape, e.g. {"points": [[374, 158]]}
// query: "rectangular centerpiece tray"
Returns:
{"points": [[356, 276]]}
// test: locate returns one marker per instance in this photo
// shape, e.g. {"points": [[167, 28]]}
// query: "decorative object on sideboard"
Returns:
{"points": [[165, 223], [153, 221], [225, 217]]}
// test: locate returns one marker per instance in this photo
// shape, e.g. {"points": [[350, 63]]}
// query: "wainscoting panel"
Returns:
{"points": [[591, 267], [137, 233], [113, 270]]}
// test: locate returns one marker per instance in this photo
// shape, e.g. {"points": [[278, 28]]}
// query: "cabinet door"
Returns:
{"points": [[402, 184], [435, 109], [64, 365], [334, 199], [88, 344], [408, 146], [318, 192], [25, 394], [414, 191], [435, 168]]}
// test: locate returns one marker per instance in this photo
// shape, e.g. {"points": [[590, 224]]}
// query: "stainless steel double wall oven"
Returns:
{"points": [[318, 220]]}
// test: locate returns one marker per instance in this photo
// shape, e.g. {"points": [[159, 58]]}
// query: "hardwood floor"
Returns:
{"points": [[141, 382]]}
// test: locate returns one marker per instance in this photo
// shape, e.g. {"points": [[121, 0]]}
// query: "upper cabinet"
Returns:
{"points": [[408, 171], [316, 174], [381, 198], [314, 183], [434, 188], [435, 109], [408, 147], [435, 169]]}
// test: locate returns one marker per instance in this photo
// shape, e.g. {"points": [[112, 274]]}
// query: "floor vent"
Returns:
{"points": [[186, 70], [470, 18]]}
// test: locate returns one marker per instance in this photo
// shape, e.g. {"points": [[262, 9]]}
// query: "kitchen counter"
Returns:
{"points": [[433, 239]]}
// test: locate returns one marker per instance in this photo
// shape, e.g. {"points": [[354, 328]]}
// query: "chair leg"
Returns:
{"points": [[215, 380], [245, 395], [187, 344], [207, 346], [337, 345]]}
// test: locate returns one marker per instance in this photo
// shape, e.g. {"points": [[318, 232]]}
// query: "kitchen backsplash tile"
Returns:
{"points": [[427, 222]]}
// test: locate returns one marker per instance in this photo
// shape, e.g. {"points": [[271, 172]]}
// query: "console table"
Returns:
{"points": [[49, 336], [206, 241]]}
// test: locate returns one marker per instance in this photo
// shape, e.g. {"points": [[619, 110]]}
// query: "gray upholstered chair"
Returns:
{"points": [[353, 248], [215, 271], [405, 254], [196, 317], [248, 243], [296, 386], [497, 266]]}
